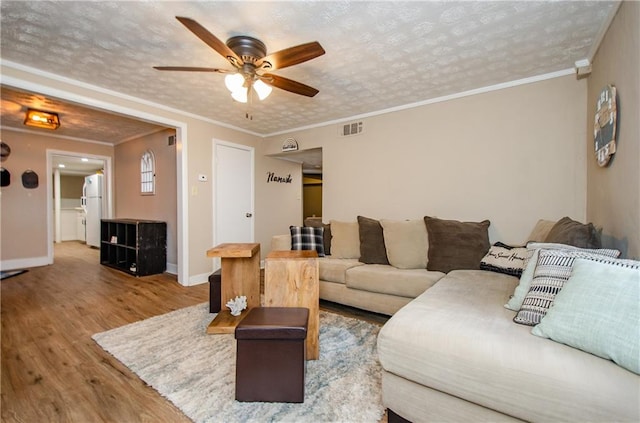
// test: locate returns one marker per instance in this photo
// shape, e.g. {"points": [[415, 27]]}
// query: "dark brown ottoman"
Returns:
{"points": [[270, 362]]}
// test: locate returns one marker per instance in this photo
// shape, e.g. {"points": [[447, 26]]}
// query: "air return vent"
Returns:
{"points": [[171, 140], [353, 128]]}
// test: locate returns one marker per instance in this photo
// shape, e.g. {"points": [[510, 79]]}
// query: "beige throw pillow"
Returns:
{"points": [[345, 240], [541, 230], [406, 242]]}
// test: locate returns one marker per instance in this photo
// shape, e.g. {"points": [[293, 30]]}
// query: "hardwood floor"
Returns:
{"points": [[52, 371]]}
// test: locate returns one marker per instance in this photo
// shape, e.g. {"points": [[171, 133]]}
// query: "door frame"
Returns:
{"points": [[108, 177], [214, 194]]}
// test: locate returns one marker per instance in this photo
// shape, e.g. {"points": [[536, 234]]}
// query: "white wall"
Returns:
{"points": [[129, 203], [24, 215], [278, 205], [513, 156]]}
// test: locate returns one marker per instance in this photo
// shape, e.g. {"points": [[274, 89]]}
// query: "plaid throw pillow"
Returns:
{"points": [[307, 238]]}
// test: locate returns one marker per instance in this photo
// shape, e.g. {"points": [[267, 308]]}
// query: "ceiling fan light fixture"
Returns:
{"points": [[234, 82], [240, 95], [249, 57], [40, 119], [263, 90]]}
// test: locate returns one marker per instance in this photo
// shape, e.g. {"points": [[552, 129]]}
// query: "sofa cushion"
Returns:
{"points": [[598, 311], [533, 248], [570, 232], [345, 240], [406, 242], [455, 245], [334, 270], [307, 238], [503, 258], [372, 248], [391, 280], [458, 339]]}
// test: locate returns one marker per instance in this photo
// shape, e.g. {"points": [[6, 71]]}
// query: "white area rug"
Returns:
{"points": [[196, 371]]}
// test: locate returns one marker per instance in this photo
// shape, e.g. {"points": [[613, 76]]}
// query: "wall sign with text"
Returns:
{"points": [[272, 177]]}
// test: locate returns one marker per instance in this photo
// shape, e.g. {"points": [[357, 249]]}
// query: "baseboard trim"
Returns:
{"points": [[172, 268], [198, 279], [24, 263]]}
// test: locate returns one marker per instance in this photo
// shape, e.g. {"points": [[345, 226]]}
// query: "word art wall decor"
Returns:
{"points": [[271, 177]]}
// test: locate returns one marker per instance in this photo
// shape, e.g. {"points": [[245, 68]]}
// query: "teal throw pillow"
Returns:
{"points": [[598, 311]]}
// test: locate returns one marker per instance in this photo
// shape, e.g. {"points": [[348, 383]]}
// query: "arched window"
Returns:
{"points": [[148, 173]]}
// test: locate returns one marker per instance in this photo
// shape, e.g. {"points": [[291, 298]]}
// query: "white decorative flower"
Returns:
{"points": [[237, 305]]}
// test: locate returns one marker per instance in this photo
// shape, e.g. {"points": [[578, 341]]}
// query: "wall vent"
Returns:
{"points": [[171, 139], [353, 128]]}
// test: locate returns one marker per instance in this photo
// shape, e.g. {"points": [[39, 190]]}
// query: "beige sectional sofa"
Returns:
{"points": [[373, 268], [452, 352], [456, 353], [367, 286], [348, 277]]}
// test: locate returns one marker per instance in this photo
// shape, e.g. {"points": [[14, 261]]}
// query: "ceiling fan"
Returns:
{"points": [[252, 65]]}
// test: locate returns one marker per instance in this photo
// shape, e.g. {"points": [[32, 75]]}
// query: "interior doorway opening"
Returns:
{"points": [[311, 195], [66, 207], [312, 179]]}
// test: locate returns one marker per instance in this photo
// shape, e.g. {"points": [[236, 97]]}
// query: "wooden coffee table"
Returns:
{"points": [[240, 276], [291, 280]]}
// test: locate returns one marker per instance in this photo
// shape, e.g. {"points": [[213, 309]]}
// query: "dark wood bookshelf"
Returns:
{"points": [[137, 247]]}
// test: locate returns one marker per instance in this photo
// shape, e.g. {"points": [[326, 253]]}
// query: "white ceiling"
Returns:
{"points": [[72, 165], [379, 55]]}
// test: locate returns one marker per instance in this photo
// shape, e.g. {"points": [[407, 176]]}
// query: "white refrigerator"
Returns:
{"points": [[92, 196]]}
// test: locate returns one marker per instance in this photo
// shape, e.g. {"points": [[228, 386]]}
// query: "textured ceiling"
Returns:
{"points": [[379, 55], [76, 121]]}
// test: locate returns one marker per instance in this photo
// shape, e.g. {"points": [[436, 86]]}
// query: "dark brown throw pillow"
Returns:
{"points": [[455, 245], [372, 248], [326, 236], [569, 232]]}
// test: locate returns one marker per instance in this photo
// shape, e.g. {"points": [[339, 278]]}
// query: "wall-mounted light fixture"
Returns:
{"points": [[40, 119]]}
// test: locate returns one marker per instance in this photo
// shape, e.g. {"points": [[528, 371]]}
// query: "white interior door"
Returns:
{"points": [[234, 176]]}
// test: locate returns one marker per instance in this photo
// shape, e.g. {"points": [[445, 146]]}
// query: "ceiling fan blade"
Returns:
{"points": [[288, 85], [211, 40], [190, 69], [291, 56]]}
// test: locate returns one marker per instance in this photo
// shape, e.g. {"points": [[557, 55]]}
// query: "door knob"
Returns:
{"points": [[249, 214]]}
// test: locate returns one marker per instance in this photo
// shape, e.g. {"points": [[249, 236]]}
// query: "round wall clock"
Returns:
{"points": [[604, 126]]}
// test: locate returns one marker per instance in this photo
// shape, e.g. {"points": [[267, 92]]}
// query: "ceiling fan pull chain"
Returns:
{"points": [[248, 114]]}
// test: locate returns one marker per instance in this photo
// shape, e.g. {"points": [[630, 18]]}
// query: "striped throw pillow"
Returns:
{"points": [[552, 271]]}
